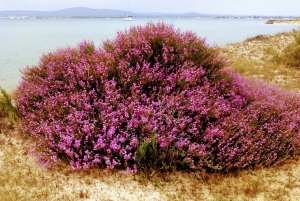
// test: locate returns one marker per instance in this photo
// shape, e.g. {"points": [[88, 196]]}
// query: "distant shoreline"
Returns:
{"points": [[294, 21]]}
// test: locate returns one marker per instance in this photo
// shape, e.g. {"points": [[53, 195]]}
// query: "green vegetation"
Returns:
{"points": [[291, 54], [8, 112]]}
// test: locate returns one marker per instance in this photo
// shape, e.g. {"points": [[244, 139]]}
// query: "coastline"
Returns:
{"points": [[27, 49], [255, 51], [293, 21]]}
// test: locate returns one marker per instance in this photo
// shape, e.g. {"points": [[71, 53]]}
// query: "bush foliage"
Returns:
{"points": [[154, 98], [8, 112], [291, 54]]}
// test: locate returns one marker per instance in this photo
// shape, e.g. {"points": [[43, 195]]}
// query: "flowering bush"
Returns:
{"points": [[263, 132], [157, 98]]}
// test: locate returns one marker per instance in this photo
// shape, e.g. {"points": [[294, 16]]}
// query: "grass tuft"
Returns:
{"points": [[8, 112]]}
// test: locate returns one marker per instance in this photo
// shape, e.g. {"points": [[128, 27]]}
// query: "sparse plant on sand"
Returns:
{"points": [[8, 112], [291, 54]]}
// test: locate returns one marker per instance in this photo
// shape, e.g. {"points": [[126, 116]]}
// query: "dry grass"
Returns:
{"points": [[21, 178], [292, 21], [260, 57]]}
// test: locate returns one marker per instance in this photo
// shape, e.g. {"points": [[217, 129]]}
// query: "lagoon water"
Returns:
{"points": [[22, 42]]}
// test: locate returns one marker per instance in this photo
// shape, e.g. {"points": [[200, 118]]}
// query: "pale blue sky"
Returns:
{"points": [[238, 7]]}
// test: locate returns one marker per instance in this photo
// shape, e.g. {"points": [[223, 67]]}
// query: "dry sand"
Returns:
{"points": [[27, 180]]}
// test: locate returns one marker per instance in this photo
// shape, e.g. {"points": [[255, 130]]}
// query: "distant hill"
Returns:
{"points": [[88, 12]]}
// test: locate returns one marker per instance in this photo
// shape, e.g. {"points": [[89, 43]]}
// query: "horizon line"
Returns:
{"points": [[191, 12]]}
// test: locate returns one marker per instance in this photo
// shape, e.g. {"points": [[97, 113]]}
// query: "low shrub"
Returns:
{"points": [[291, 54], [265, 131], [153, 98], [8, 112]]}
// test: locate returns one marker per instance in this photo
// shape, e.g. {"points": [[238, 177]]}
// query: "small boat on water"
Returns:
{"points": [[128, 18]]}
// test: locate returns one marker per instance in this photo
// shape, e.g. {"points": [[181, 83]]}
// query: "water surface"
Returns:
{"points": [[22, 42]]}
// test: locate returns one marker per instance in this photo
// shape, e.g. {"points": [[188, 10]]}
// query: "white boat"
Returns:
{"points": [[128, 18]]}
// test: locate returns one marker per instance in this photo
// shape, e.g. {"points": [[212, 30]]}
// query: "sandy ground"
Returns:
{"points": [[26, 180], [88, 185], [256, 57], [287, 22]]}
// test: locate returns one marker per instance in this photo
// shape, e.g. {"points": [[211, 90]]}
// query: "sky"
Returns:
{"points": [[234, 7]]}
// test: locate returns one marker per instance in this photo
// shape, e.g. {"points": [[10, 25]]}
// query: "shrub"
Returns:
{"points": [[291, 54], [8, 112], [264, 132], [153, 98]]}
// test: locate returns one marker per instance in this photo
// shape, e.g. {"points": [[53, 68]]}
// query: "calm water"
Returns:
{"points": [[22, 42]]}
